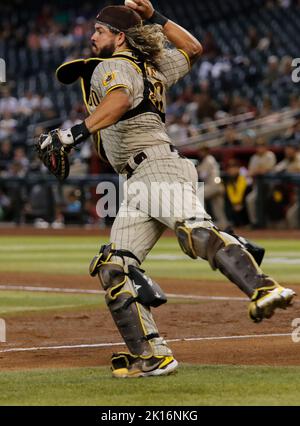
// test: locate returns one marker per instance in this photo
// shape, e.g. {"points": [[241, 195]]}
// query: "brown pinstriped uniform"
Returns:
{"points": [[144, 133], [129, 137]]}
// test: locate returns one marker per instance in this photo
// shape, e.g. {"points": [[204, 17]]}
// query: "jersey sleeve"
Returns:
{"points": [[113, 74], [175, 64]]}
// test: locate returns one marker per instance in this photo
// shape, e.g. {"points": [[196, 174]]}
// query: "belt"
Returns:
{"points": [[139, 158]]}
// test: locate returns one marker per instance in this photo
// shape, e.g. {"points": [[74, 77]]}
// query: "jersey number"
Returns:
{"points": [[93, 99], [156, 95]]}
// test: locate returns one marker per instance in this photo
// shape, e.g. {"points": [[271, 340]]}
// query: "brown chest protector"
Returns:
{"points": [[70, 72]]}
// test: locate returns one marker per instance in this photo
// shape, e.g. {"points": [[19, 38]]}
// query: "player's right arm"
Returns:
{"points": [[177, 35], [112, 88]]}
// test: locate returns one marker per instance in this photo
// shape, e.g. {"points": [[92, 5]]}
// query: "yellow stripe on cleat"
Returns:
{"points": [[166, 361]]}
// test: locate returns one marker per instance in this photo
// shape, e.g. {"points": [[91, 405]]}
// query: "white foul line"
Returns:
{"points": [[109, 345], [49, 289], [84, 291]]}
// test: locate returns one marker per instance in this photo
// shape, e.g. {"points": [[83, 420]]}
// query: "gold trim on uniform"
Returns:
{"points": [[118, 86], [186, 57]]}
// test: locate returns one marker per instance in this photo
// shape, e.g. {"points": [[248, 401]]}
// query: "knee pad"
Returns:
{"points": [[201, 239], [224, 252], [125, 292]]}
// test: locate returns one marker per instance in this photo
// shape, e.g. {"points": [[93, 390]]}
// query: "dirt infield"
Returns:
{"points": [[209, 318]]}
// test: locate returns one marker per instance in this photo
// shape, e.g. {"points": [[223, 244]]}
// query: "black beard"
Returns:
{"points": [[107, 51]]}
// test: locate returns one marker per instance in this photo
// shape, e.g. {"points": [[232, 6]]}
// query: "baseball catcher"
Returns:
{"points": [[124, 89]]}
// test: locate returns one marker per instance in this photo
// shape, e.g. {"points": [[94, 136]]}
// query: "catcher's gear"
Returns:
{"points": [[254, 249], [126, 290], [224, 252], [148, 291], [55, 155]]}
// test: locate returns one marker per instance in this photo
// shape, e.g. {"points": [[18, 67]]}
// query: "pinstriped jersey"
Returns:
{"points": [[131, 136]]}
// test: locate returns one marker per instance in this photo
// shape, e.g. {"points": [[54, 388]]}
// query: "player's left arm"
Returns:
{"points": [[183, 40], [177, 35]]}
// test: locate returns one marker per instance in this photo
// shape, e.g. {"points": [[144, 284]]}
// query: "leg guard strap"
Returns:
{"points": [[105, 254]]}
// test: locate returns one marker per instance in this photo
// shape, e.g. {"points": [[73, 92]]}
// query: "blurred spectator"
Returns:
{"points": [[209, 173], [6, 154], [252, 39], [266, 42], [46, 105], [221, 65], [7, 125], [210, 46], [72, 212], [21, 158], [272, 70], [33, 40], [180, 130], [285, 4], [291, 161], [231, 137], [237, 188], [248, 137], [15, 169], [8, 103], [29, 102], [266, 107], [285, 69], [5, 206], [207, 107], [204, 71], [39, 208], [91, 213], [240, 105], [294, 102], [284, 201], [262, 162], [293, 133], [15, 192]]}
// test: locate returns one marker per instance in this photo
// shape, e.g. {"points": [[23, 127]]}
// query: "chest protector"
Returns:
{"points": [[83, 69]]}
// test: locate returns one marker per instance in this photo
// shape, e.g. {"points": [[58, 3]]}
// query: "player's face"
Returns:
{"points": [[103, 41]]}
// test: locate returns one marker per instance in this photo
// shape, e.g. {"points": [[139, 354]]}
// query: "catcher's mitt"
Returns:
{"points": [[54, 156]]}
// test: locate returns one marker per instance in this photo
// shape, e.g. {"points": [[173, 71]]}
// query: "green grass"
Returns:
{"points": [[14, 303], [17, 302], [193, 385], [72, 255]]}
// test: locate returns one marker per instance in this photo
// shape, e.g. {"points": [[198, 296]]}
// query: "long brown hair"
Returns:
{"points": [[148, 41]]}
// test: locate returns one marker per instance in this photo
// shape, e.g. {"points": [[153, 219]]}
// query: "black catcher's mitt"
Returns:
{"points": [[54, 156]]}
